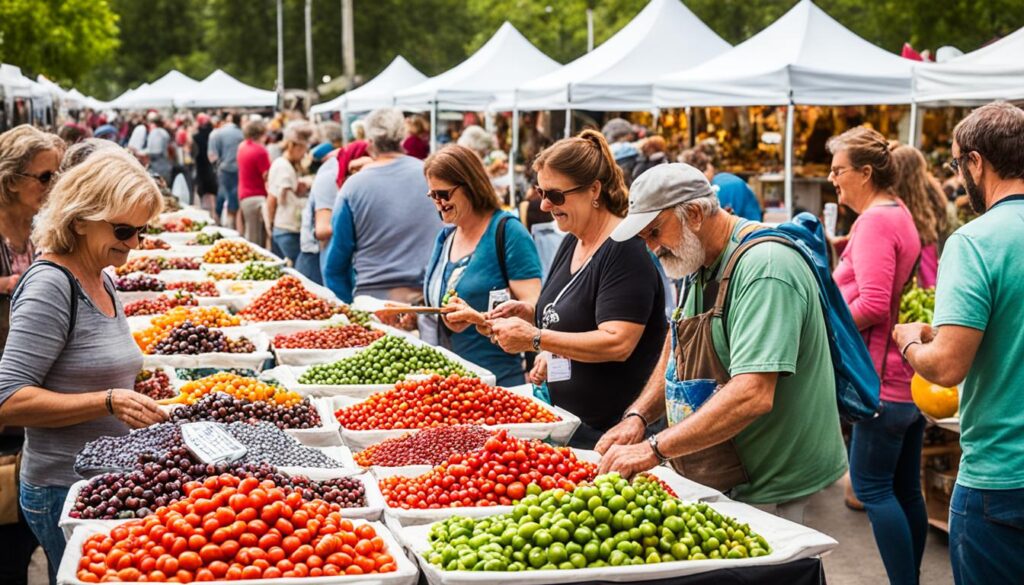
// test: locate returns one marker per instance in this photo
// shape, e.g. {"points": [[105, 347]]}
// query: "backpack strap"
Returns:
{"points": [[499, 246], [74, 290]]}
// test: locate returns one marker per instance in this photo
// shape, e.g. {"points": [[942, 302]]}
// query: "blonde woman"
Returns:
{"points": [[70, 362], [287, 195]]}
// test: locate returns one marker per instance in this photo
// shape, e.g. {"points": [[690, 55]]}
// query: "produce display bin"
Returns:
{"points": [[253, 361]]}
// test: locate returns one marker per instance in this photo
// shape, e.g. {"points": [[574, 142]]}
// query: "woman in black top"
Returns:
{"points": [[600, 319]]}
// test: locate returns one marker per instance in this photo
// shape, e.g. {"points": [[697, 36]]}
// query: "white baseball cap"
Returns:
{"points": [[658, 189]]}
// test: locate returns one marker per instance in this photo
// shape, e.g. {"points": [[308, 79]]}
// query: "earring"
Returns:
{"points": [[594, 203]]}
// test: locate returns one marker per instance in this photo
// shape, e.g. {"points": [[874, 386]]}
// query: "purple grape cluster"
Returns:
{"points": [[224, 408], [139, 282]]}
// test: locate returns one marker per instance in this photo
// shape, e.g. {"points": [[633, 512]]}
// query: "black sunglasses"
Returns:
{"points": [[555, 196], [44, 178], [124, 232], [442, 194], [955, 163]]}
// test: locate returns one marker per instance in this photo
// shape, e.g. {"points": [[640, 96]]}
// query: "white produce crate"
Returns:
{"points": [[253, 361], [407, 574]]}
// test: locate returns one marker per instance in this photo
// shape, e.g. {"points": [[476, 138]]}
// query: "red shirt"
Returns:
{"points": [[253, 164]]}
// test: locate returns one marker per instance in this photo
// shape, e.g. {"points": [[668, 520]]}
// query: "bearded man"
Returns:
{"points": [[765, 359]]}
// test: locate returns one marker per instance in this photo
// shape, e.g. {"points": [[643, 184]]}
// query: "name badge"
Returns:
{"points": [[559, 369], [497, 297]]}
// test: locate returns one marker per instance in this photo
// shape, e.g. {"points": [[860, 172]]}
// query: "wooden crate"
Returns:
{"points": [[940, 460]]}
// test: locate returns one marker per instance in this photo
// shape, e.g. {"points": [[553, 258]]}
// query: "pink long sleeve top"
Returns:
{"points": [[875, 265]]}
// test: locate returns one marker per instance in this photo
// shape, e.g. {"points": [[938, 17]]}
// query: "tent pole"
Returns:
{"points": [[433, 126], [788, 178], [514, 129], [344, 127], [656, 113], [568, 122], [912, 139]]}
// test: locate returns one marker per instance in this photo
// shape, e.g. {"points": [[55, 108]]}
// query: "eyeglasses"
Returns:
{"points": [[442, 194], [44, 178], [555, 196], [838, 171], [124, 232]]}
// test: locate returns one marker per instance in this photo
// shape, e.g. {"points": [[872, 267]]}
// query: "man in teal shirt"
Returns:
{"points": [[978, 334], [779, 405]]}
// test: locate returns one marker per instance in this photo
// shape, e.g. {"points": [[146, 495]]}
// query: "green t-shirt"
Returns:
{"points": [[981, 286], [776, 324]]}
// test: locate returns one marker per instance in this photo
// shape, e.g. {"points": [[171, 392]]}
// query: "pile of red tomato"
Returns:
{"points": [[495, 475], [230, 529], [418, 404]]}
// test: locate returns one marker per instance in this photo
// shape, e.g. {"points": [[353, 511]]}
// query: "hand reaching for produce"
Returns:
{"points": [[629, 431], [508, 309], [539, 374], [513, 335], [628, 460], [134, 409]]}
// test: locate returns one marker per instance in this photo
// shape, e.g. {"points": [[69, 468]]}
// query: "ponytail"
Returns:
{"points": [[586, 158]]}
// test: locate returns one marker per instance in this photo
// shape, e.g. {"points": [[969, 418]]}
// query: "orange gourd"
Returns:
{"points": [[934, 400]]}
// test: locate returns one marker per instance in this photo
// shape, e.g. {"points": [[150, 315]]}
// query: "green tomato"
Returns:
{"points": [[583, 535], [542, 538]]}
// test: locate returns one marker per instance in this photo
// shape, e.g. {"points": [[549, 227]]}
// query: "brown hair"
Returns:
{"points": [[461, 166], [696, 158], [586, 158], [18, 146], [254, 129], [866, 148], [996, 132], [654, 144], [920, 192], [417, 124]]}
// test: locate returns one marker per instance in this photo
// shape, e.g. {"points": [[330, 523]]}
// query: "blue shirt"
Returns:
{"points": [[224, 143], [383, 224], [321, 196], [481, 275], [735, 195]]}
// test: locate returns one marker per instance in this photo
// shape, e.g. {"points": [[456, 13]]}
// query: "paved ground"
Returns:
{"points": [[854, 562]]}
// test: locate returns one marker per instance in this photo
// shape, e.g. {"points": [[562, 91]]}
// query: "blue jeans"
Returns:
{"points": [[309, 266], [41, 506], [287, 243], [227, 190], [885, 469], [986, 535]]}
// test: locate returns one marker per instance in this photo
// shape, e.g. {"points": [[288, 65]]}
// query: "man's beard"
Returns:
{"points": [[974, 194], [682, 260]]}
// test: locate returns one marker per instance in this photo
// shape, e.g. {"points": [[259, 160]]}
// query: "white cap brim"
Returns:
{"points": [[633, 224]]}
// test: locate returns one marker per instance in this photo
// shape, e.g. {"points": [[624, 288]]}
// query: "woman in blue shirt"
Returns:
{"points": [[483, 256]]}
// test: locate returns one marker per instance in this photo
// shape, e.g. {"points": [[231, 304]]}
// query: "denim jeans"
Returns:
{"points": [[288, 244], [227, 190], [309, 266], [885, 469], [41, 506], [986, 535]]}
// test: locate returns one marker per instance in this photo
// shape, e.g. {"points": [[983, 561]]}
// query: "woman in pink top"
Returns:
{"points": [[253, 166], [878, 260]]}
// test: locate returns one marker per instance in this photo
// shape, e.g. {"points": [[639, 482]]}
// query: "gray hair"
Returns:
{"points": [[330, 132], [358, 129], [617, 129], [385, 129], [477, 139], [707, 206], [78, 152], [298, 131]]}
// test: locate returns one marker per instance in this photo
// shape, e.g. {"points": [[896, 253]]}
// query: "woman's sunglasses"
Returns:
{"points": [[555, 196], [44, 178], [442, 194], [124, 232]]}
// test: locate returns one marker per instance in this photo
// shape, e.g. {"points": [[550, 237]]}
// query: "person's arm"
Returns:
{"points": [[32, 406], [612, 341], [324, 193], [213, 149], [322, 228], [650, 405], [730, 410], [943, 355], [873, 254], [338, 273]]}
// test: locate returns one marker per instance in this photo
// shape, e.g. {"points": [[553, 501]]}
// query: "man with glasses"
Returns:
{"points": [[976, 338]]}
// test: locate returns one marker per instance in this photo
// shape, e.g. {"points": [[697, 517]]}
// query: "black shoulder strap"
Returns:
{"points": [[71, 280], [499, 246]]}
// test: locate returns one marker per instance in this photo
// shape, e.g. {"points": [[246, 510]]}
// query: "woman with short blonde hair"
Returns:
{"points": [[70, 362]]}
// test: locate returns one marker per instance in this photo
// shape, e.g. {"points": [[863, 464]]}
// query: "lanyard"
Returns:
{"points": [[549, 316]]}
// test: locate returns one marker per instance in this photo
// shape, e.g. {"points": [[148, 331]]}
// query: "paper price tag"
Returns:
{"points": [[210, 443]]}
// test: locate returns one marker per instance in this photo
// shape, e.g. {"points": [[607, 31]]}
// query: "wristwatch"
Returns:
{"points": [[536, 340], [653, 442]]}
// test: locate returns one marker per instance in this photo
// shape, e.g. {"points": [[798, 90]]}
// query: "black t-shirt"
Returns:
{"points": [[620, 283]]}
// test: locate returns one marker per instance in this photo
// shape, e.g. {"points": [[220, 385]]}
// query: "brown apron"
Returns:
{"points": [[719, 466]]}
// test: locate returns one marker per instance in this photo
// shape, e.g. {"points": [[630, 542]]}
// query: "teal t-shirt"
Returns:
{"points": [[775, 324], [475, 279], [981, 286]]}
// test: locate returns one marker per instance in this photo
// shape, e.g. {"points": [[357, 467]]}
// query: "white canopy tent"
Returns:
{"points": [[504, 62], [116, 102], [804, 58], [379, 92], [160, 93], [220, 90], [13, 83], [990, 73], [620, 73]]}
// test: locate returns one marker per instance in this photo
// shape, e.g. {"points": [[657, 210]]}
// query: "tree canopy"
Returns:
{"points": [[107, 46]]}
